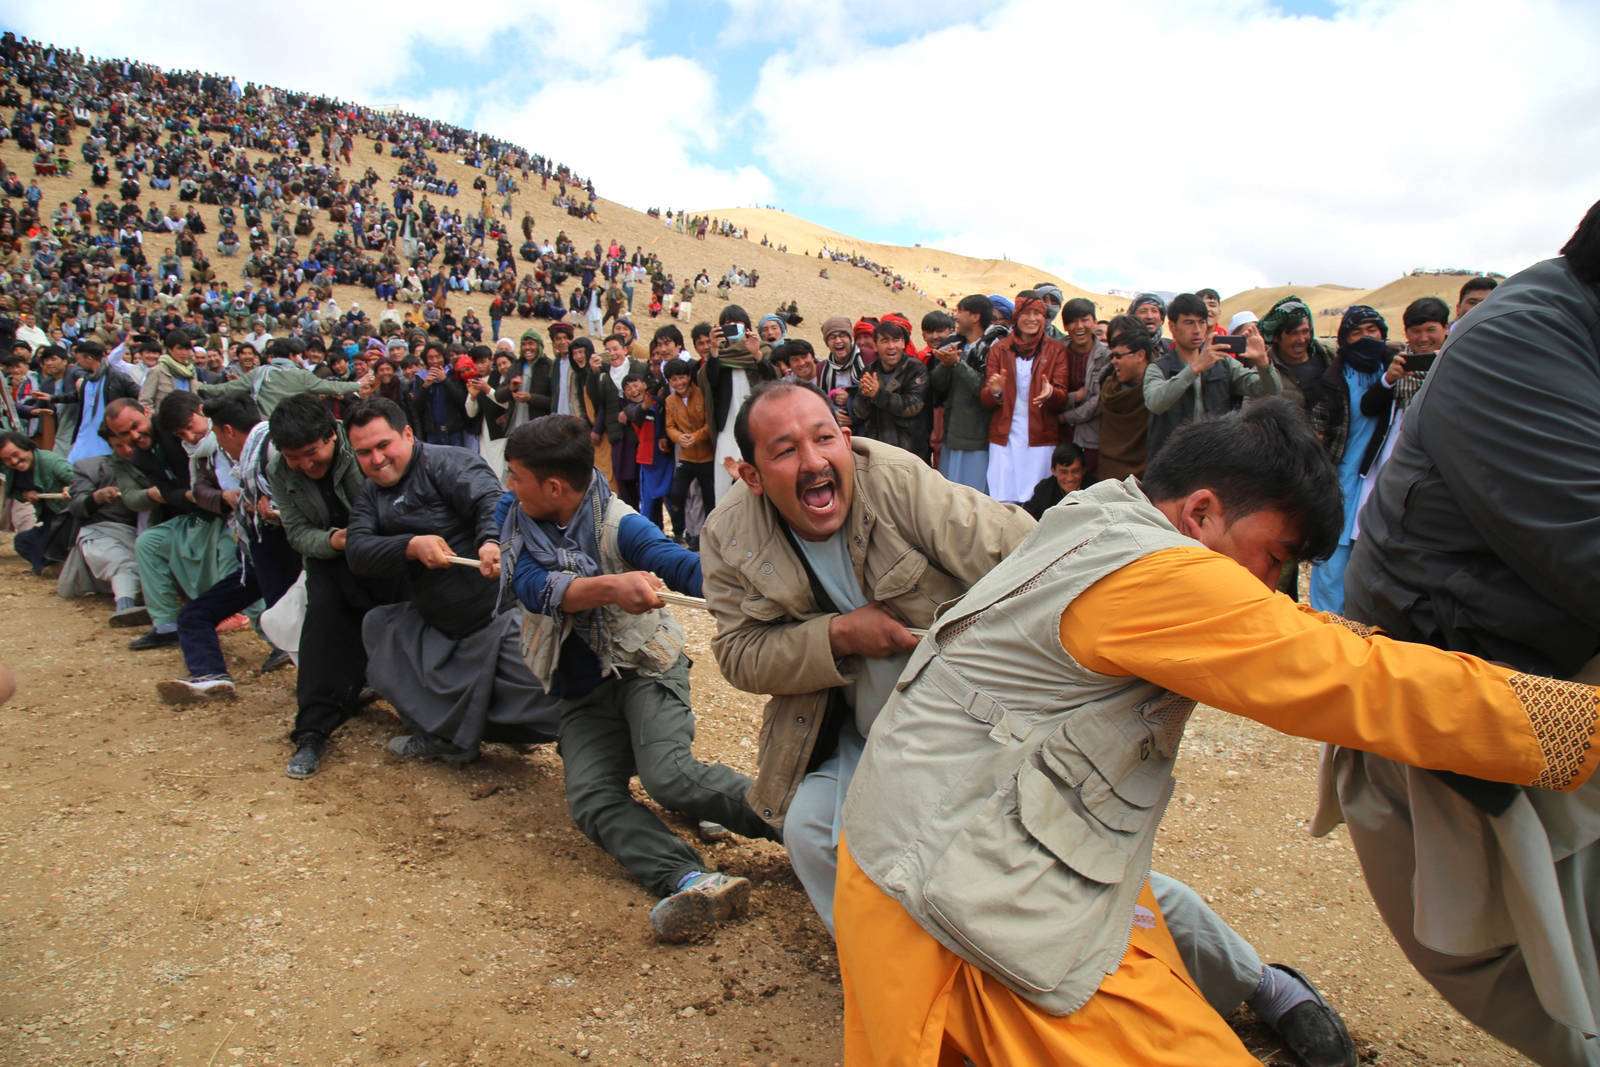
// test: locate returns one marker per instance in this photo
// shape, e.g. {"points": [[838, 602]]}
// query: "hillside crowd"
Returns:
{"points": [[486, 531]]}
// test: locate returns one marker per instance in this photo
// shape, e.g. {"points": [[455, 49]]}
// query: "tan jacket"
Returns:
{"points": [[917, 541], [688, 415]]}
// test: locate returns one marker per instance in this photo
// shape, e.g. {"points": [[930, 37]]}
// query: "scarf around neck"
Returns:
{"points": [[176, 369], [564, 554]]}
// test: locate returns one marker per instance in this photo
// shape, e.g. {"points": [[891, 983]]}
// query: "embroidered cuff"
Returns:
{"points": [[1563, 716]]}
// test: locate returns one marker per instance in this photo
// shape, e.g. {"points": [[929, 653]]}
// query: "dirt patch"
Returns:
{"points": [[171, 897]]}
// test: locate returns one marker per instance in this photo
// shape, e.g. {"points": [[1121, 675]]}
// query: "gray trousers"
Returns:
{"points": [[1222, 964], [1494, 989], [638, 725]]}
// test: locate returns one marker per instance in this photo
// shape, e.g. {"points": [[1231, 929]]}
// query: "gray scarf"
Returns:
{"points": [[564, 554]]}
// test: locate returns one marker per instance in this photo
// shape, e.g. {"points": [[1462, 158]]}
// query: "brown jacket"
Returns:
{"points": [[1050, 364], [917, 541], [688, 415]]}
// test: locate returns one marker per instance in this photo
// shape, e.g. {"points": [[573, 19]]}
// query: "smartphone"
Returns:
{"points": [[1233, 342], [1418, 364], [733, 331]]}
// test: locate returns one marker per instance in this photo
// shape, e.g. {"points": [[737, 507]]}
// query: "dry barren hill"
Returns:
{"points": [[1328, 302]]}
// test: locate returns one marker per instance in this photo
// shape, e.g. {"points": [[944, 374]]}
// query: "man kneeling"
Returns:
{"points": [[446, 657], [992, 874], [584, 566]]}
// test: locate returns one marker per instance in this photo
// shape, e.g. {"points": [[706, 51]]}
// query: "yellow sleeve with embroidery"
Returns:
{"points": [[1193, 621]]}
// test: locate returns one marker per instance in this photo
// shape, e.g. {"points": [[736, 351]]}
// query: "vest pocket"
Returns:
{"points": [[1023, 895]]}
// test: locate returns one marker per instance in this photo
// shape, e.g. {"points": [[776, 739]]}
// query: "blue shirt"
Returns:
{"points": [[1355, 447]]}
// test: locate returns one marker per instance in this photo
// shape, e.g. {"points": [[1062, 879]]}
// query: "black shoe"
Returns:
{"points": [[307, 758], [1313, 1030], [153, 639], [277, 658]]}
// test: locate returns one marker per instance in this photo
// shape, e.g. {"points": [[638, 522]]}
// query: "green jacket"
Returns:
{"points": [[306, 522], [51, 474], [966, 420], [273, 383]]}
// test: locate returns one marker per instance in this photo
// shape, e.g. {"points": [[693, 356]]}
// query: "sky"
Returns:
{"points": [[1143, 144]]}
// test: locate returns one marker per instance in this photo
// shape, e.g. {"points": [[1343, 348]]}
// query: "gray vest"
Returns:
{"points": [[1009, 797], [648, 643]]}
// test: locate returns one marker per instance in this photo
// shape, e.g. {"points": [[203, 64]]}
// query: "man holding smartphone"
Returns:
{"points": [[1199, 378]]}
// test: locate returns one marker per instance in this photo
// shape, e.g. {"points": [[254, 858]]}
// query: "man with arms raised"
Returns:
{"points": [[992, 869]]}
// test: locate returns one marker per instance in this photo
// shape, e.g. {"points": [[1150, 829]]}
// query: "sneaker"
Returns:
{"points": [[426, 746], [208, 689], [307, 758], [153, 638], [275, 659], [232, 624], [695, 909], [132, 615]]}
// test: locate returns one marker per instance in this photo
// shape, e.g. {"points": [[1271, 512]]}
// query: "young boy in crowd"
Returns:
{"points": [[584, 566], [688, 430], [1066, 476]]}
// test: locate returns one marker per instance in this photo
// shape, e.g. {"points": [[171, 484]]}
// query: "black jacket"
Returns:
{"points": [[1454, 552], [446, 491], [608, 400]]}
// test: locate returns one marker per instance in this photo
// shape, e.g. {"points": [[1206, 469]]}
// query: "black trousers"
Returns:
{"points": [[678, 496], [333, 661]]}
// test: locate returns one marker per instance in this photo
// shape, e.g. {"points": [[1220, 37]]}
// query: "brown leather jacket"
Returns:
{"points": [[917, 541], [1050, 364]]}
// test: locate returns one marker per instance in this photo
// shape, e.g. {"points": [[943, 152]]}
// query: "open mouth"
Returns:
{"points": [[820, 496]]}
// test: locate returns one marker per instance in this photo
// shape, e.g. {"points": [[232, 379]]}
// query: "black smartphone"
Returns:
{"points": [[1233, 342], [1417, 364]]}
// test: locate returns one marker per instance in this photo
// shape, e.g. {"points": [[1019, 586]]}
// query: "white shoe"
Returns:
{"points": [[208, 690]]}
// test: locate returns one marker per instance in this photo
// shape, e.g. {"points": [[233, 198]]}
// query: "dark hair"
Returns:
{"points": [[177, 408], [675, 367], [734, 313], [617, 337], [1076, 308], [1066, 454], [178, 339], [371, 410], [1426, 309], [93, 349], [300, 420], [1187, 304], [741, 421], [284, 348], [11, 359], [1130, 333], [481, 352], [1211, 294], [581, 344], [16, 440], [1582, 249], [892, 329], [979, 305], [668, 332], [436, 346], [788, 349], [554, 446], [116, 407], [938, 322], [234, 410], [701, 329], [1263, 457], [1480, 283], [51, 351]]}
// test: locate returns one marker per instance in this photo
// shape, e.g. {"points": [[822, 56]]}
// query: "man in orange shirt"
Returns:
{"points": [[992, 899]]}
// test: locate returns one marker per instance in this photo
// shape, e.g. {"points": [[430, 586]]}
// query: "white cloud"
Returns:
{"points": [[1179, 144], [643, 126]]}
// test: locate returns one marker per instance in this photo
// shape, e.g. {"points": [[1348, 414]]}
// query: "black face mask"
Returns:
{"points": [[1365, 356]]}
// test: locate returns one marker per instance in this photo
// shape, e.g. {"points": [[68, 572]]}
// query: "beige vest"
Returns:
{"points": [[1009, 797], [647, 643]]}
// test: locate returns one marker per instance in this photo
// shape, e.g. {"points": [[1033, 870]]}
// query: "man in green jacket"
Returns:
{"points": [[279, 378], [29, 473], [956, 377], [314, 480]]}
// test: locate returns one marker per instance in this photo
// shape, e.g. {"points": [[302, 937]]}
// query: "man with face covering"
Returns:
{"points": [[1346, 430], [1151, 310]]}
